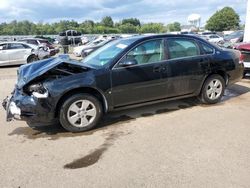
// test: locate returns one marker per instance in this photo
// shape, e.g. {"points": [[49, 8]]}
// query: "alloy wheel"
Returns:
{"points": [[214, 89], [81, 113]]}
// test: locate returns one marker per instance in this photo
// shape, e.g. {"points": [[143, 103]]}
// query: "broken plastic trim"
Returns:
{"points": [[41, 95], [14, 110]]}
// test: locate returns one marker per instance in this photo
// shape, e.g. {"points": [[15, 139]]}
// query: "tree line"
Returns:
{"points": [[105, 26], [224, 19]]}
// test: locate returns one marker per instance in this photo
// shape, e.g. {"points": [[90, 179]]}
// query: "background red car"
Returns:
{"points": [[245, 55]]}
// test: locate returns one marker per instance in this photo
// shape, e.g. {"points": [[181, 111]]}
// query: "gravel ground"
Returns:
{"points": [[174, 144]]}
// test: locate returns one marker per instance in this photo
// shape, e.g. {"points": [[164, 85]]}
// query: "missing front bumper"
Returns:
{"points": [[12, 110]]}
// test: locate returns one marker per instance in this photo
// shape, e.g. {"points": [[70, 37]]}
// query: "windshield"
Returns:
{"points": [[106, 53]]}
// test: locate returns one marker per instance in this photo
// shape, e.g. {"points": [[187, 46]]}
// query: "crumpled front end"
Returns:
{"points": [[30, 108], [35, 95], [12, 111]]}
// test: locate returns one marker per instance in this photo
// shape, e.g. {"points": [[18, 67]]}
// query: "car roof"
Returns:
{"points": [[141, 38], [11, 42], [34, 39], [155, 36]]}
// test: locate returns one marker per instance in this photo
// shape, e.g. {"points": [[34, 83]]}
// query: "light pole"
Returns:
{"points": [[247, 24]]}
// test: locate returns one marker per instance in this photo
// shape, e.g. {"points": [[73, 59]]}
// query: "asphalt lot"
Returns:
{"points": [[174, 144]]}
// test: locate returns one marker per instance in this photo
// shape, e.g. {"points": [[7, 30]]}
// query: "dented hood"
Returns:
{"points": [[29, 72]]}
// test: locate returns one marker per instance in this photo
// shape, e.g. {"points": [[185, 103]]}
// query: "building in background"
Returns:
{"points": [[194, 19]]}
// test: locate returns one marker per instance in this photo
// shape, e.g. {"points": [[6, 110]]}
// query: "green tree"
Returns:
{"points": [[176, 26], [152, 28], [225, 19], [107, 21], [87, 26], [128, 28], [132, 21]]}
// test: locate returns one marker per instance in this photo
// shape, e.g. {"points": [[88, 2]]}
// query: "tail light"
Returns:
{"points": [[242, 57]]}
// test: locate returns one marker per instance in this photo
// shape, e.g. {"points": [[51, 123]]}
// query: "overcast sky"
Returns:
{"points": [[164, 11]]}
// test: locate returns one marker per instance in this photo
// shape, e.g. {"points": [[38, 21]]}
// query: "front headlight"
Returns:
{"points": [[38, 90]]}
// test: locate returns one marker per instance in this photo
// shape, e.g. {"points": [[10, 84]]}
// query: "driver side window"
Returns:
{"points": [[147, 52]]}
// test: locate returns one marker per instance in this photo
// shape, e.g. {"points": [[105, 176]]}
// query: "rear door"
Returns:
{"points": [[4, 57], [187, 66], [141, 82]]}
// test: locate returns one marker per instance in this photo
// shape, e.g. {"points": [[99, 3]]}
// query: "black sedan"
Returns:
{"points": [[122, 74]]}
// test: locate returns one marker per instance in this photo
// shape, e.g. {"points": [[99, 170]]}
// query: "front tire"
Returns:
{"points": [[213, 89], [32, 59], [80, 112]]}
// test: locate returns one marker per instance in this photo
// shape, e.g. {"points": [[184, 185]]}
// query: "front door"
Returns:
{"points": [[4, 57], [141, 82]]}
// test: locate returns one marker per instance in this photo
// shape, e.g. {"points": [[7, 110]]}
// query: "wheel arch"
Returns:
{"points": [[88, 90], [30, 56], [221, 73]]}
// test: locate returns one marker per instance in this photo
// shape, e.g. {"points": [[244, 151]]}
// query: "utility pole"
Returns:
{"points": [[247, 24]]}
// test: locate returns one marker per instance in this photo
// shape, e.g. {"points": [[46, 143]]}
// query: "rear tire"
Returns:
{"points": [[80, 112], [213, 89]]}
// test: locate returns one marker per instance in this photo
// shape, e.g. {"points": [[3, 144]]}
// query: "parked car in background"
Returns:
{"points": [[122, 74], [214, 38], [88, 50], [42, 42], [208, 33], [245, 57], [235, 37], [74, 37], [77, 51], [42, 52], [15, 53]]}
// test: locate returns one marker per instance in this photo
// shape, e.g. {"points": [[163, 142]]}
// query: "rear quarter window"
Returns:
{"points": [[206, 48], [32, 42]]}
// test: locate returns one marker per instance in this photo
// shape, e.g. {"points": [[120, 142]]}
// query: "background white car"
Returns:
{"points": [[215, 38], [14, 53], [77, 51]]}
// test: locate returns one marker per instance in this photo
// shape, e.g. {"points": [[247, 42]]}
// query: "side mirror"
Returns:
{"points": [[128, 63]]}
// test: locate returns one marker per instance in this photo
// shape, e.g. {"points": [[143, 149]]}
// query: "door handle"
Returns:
{"points": [[157, 69], [164, 69], [160, 69]]}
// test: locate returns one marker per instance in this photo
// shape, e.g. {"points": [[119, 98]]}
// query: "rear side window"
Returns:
{"points": [[26, 46], [179, 48], [15, 46], [44, 42], [32, 42], [213, 37], [207, 49]]}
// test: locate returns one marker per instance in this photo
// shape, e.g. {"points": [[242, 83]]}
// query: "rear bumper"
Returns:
{"points": [[236, 75], [247, 66]]}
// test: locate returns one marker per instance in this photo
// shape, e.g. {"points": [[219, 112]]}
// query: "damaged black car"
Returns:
{"points": [[122, 74]]}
